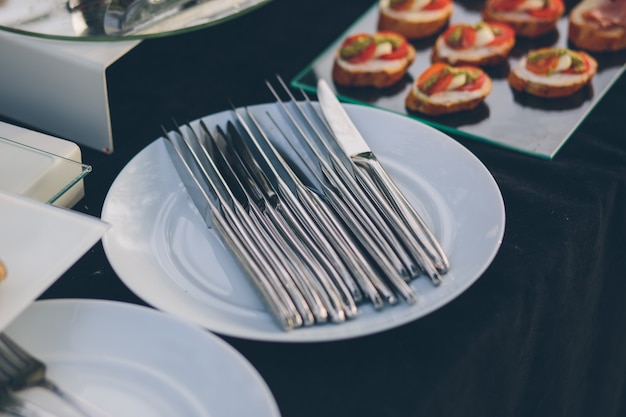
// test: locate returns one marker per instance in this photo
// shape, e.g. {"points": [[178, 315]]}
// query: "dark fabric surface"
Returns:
{"points": [[541, 333]]}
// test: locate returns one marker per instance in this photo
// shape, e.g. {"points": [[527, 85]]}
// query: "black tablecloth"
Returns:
{"points": [[541, 333]]}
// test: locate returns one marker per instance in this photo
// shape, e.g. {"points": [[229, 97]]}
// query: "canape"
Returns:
{"points": [[598, 25], [485, 43], [414, 19], [380, 59], [444, 88], [553, 72], [528, 18]]}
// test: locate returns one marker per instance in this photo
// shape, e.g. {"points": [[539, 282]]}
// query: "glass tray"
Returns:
{"points": [[517, 121], [37, 174], [143, 19]]}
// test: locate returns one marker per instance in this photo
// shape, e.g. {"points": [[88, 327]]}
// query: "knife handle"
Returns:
{"points": [[394, 253], [257, 269], [392, 274], [343, 251], [405, 235], [409, 215]]}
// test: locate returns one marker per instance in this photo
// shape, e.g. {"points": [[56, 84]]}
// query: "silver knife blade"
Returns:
{"points": [[356, 148], [203, 199], [235, 238], [348, 136]]}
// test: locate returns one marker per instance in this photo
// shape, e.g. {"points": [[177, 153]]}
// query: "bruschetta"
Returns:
{"points": [[444, 88], [553, 72], [528, 18], [598, 25], [379, 60], [414, 19], [485, 43]]}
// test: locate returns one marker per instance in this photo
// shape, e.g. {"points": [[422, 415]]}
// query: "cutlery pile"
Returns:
{"points": [[307, 209]]}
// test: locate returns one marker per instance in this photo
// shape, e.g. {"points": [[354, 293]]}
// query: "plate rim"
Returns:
{"points": [[296, 336], [41, 310]]}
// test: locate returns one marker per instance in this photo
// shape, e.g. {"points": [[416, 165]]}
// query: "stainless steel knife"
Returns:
{"points": [[358, 151], [232, 232]]}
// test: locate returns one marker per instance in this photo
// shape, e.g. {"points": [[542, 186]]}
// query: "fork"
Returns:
{"points": [[328, 272], [376, 227], [312, 273], [423, 248], [323, 228], [338, 201], [21, 370]]}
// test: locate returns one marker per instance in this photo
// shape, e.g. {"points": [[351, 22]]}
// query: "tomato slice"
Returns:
{"points": [[436, 4], [543, 66], [434, 69], [504, 5], [542, 63], [435, 78], [502, 32], [358, 48], [441, 84], [399, 43], [546, 60], [552, 8], [460, 36]]}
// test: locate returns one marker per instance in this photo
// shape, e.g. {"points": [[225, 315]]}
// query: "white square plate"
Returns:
{"points": [[38, 243]]}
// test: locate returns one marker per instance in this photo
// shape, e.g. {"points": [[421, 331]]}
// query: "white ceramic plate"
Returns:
{"points": [[38, 243], [134, 361], [160, 248]]}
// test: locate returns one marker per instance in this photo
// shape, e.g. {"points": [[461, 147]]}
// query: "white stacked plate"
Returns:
{"points": [[160, 247], [130, 361]]}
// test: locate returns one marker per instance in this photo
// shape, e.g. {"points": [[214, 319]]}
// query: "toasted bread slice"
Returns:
{"points": [[375, 71], [413, 24], [487, 49], [524, 23], [595, 26], [448, 101], [555, 83]]}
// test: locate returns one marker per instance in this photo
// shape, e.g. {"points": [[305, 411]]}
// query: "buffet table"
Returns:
{"points": [[539, 333]]}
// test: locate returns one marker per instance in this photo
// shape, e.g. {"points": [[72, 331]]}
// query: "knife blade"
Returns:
{"points": [[359, 152], [232, 234]]}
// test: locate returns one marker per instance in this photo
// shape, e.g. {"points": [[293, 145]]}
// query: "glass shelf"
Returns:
{"points": [[37, 174], [116, 20]]}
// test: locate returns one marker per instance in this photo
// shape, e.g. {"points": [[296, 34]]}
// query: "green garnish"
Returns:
{"points": [[434, 78], [393, 40], [470, 75], [455, 37], [356, 47], [535, 56], [578, 64], [481, 25]]}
